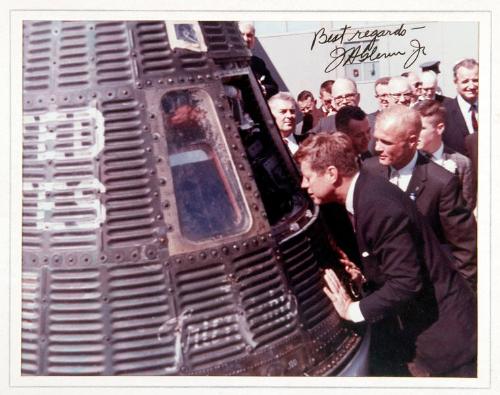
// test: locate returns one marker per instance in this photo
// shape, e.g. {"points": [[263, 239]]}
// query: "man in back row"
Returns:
{"points": [[353, 121], [344, 92], [283, 109], [267, 84], [430, 141], [462, 112]]}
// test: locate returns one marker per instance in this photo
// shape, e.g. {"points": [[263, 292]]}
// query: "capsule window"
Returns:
{"points": [[210, 203]]}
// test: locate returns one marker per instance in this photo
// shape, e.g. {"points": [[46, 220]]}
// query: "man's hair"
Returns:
{"points": [[243, 24], [431, 109], [468, 63], [283, 96], [349, 81], [326, 86], [304, 95], [405, 119], [345, 114], [328, 149], [382, 81]]}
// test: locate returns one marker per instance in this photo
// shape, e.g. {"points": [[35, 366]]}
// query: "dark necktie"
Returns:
{"points": [[473, 118], [353, 222]]}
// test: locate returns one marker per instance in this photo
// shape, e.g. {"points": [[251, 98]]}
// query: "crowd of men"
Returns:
{"points": [[406, 177]]}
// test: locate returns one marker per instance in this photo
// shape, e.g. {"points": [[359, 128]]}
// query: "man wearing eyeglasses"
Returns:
{"points": [[383, 98], [344, 92], [310, 114], [415, 85], [382, 93], [400, 91], [325, 97]]}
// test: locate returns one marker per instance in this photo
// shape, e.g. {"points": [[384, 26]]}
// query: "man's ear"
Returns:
{"points": [[412, 140], [333, 174], [440, 128]]}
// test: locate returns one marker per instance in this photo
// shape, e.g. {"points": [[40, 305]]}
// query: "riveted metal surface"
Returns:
{"points": [[224, 40], [31, 323], [111, 285]]}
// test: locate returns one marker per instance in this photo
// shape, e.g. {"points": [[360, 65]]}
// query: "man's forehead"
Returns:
{"points": [[399, 85], [305, 166], [282, 105], [464, 72], [355, 124], [306, 101], [389, 126], [343, 89]]}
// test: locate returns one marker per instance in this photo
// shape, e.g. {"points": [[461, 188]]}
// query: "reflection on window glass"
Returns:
{"points": [[208, 197]]}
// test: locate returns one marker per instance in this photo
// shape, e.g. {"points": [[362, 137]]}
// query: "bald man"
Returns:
{"points": [[435, 190], [400, 92], [415, 85], [344, 93], [429, 86]]}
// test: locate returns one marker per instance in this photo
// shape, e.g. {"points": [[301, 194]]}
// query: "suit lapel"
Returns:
{"points": [[418, 177], [457, 114], [383, 171]]}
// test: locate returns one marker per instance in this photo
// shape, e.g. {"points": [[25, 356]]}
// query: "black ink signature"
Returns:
{"points": [[360, 34], [322, 38], [362, 53], [414, 55]]}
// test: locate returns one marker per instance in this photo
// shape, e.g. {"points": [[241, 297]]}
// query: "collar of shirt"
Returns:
{"points": [[291, 143], [349, 200], [406, 172], [465, 110], [437, 156]]}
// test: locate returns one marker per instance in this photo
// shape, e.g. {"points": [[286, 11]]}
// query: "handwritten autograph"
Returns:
{"points": [[364, 51]]}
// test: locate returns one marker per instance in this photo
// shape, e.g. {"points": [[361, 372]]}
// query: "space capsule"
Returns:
{"points": [[164, 229]]}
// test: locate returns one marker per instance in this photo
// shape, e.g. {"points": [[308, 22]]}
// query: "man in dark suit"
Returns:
{"points": [[407, 275], [471, 149], [326, 99], [430, 141], [310, 114], [429, 87], [383, 97], [435, 190], [354, 122], [267, 84], [462, 117], [344, 92], [415, 85]]}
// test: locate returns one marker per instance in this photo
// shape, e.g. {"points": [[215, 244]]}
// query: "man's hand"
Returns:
{"points": [[352, 269], [336, 293]]}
